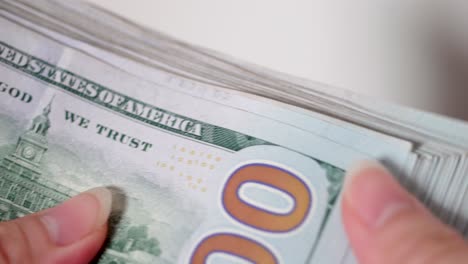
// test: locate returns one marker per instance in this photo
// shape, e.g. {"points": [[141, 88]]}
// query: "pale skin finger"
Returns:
{"points": [[386, 225], [72, 232]]}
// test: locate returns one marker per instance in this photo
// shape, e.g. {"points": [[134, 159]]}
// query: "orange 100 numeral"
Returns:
{"points": [[234, 245], [252, 216]]}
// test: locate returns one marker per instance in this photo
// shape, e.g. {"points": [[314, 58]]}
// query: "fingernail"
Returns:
{"points": [[78, 217], [374, 195]]}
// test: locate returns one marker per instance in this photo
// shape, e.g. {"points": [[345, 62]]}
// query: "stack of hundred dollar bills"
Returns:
{"points": [[215, 160]]}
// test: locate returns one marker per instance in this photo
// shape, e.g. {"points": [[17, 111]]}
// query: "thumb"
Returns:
{"points": [[72, 232], [386, 225]]}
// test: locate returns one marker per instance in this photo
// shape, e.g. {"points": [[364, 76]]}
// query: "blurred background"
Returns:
{"points": [[413, 52]]}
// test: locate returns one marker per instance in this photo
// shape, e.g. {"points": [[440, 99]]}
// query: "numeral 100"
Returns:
{"points": [[249, 215]]}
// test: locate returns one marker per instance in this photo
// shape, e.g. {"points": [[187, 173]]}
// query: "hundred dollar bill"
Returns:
{"points": [[209, 176]]}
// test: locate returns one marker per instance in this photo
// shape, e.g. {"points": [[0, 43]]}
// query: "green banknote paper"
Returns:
{"points": [[205, 176]]}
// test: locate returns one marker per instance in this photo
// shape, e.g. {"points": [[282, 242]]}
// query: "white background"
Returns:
{"points": [[407, 51]]}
